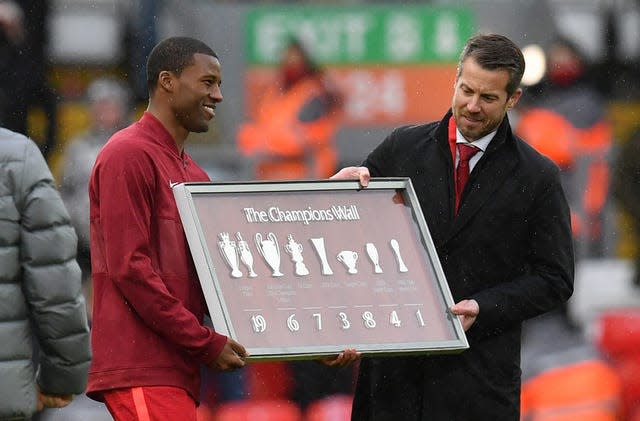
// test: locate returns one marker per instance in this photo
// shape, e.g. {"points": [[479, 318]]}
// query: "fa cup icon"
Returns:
{"points": [[295, 250]]}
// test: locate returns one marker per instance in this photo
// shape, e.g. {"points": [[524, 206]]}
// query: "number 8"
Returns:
{"points": [[369, 322]]}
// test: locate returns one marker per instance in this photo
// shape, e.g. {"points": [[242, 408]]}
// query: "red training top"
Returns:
{"points": [[148, 305]]}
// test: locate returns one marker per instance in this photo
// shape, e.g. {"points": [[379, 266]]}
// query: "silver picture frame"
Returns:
{"points": [[307, 268]]}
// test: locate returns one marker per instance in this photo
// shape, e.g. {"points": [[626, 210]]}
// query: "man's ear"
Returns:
{"points": [[513, 100], [166, 80]]}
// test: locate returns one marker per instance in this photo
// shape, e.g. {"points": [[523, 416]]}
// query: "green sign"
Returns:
{"points": [[357, 35]]}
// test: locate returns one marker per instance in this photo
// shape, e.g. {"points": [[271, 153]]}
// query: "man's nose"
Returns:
{"points": [[473, 105], [216, 94]]}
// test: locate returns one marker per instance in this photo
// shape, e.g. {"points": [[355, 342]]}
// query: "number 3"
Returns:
{"points": [[346, 324]]}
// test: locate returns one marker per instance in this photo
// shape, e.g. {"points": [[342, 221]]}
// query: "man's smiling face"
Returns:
{"points": [[197, 93]]}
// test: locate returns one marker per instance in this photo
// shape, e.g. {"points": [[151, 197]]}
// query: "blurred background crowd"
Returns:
{"points": [[311, 86]]}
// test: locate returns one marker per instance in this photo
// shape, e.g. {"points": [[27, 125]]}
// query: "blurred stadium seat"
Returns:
{"points": [[618, 337], [629, 371], [331, 408], [618, 333], [268, 380], [258, 410]]}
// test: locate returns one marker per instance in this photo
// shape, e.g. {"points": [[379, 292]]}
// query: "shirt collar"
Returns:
{"points": [[481, 143], [160, 133]]}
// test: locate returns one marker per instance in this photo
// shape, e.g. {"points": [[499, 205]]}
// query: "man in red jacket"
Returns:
{"points": [[147, 335]]}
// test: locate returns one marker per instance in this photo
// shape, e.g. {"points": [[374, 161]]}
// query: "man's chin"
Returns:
{"points": [[469, 135], [199, 129]]}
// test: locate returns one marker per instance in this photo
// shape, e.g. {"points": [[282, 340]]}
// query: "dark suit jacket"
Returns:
{"points": [[509, 248]]}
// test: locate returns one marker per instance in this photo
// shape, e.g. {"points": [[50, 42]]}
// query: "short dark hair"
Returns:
{"points": [[173, 54], [492, 52]]}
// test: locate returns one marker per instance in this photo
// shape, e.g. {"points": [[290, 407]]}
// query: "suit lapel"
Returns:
{"points": [[488, 176], [433, 180]]}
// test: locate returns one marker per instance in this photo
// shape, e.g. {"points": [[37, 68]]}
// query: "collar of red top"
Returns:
{"points": [[160, 133]]}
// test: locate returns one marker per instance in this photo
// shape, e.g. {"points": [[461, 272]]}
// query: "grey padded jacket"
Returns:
{"points": [[41, 303]]}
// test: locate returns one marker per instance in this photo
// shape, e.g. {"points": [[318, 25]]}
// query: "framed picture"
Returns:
{"points": [[302, 269]]}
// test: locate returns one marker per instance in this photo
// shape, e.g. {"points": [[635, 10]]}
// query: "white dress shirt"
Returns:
{"points": [[481, 144]]}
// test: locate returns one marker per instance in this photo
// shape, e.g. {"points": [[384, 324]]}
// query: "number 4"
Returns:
{"points": [[394, 319]]}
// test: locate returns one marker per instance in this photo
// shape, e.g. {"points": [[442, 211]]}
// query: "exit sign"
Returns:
{"points": [[359, 35]]}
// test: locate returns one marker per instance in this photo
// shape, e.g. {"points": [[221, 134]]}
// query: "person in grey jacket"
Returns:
{"points": [[41, 304]]}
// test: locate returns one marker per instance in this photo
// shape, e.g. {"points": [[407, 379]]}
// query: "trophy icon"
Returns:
{"points": [[372, 252], [245, 255], [396, 249], [348, 258], [318, 244], [269, 251], [229, 254], [295, 250]]}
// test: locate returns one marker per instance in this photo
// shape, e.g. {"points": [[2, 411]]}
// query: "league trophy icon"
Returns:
{"points": [[245, 255], [396, 249], [348, 258], [318, 244], [372, 252], [229, 254], [295, 250], [270, 251]]}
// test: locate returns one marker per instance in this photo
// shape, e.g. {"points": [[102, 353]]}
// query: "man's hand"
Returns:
{"points": [[343, 359], [468, 311], [231, 357], [51, 400], [361, 173]]}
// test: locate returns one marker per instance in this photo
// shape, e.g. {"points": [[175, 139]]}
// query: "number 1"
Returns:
{"points": [[420, 319]]}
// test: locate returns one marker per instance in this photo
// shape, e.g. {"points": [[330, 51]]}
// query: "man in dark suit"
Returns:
{"points": [[504, 241]]}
